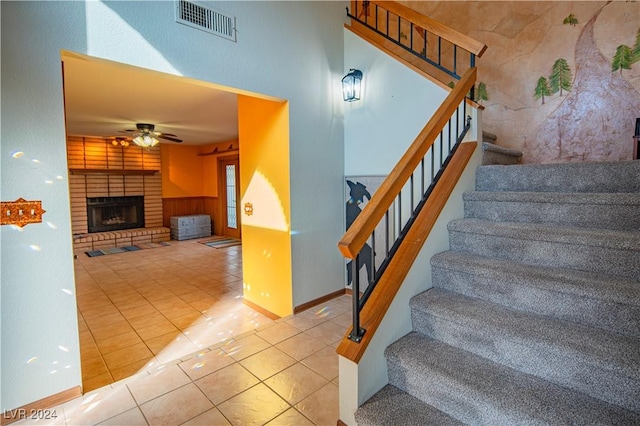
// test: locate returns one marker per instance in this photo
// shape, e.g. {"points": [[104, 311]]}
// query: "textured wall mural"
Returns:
{"points": [[561, 80]]}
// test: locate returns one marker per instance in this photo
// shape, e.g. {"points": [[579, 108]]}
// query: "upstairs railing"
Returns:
{"points": [[446, 50], [376, 234], [378, 231]]}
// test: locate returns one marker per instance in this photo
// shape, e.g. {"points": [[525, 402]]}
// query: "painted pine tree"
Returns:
{"points": [[542, 89], [560, 76], [481, 93], [622, 59]]}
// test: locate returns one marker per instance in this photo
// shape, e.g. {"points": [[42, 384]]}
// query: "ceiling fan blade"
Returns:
{"points": [[169, 138]]}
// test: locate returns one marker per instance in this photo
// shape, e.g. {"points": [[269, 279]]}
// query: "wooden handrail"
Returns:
{"points": [[383, 294], [360, 230], [435, 27]]}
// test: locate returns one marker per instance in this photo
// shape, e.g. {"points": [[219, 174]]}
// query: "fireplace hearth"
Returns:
{"points": [[115, 213]]}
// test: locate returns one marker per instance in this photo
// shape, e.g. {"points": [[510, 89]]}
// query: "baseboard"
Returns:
{"points": [[318, 301], [341, 423], [41, 410], [262, 310]]}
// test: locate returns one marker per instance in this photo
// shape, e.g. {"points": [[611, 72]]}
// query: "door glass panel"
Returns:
{"points": [[231, 196]]}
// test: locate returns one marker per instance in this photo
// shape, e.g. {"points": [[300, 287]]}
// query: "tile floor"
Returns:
{"points": [[166, 340]]}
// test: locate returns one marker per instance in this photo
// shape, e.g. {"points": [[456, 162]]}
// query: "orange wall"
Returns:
{"points": [[182, 171], [264, 183]]}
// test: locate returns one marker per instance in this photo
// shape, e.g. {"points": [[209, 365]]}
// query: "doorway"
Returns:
{"points": [[229, 196]]}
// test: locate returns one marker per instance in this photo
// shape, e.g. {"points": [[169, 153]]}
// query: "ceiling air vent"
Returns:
{"points": [[206, 19]]}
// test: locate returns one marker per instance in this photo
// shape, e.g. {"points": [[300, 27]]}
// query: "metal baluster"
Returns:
{"points": [[373, 257], [439, 50], [386, 230], [422, 177], [455, 61], [357, 332], [412, 205]]}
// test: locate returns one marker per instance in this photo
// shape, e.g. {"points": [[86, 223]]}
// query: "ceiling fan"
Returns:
{"points": [[146, 136]]}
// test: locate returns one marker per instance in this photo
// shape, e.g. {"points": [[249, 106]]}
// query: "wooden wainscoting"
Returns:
{"points": [[185, 206]]}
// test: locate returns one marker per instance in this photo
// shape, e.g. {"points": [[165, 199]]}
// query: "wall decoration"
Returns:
{"points": [[481, 93], [622, 59], [21, 212], [542, 89], [560, 76], [593, 119], [359, 190], [570, 20]]}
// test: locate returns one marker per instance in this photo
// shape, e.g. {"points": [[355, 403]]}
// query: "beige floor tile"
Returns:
{"points": [[245, 347], [267, 363], [180, 348], [157, 329], [126, 356], [204, 303], [134, 311], [132, 417], [102, 333], [158, 343], [327, 332], [304, 321], [255, 406], [206, 363], [185, 321], [296, 383], [99, 405], [132, 369], [177, 406], [291, 417], [212, 417], [278, 333], [118, 342], [96, 382], [300, 346], [344, 320], [147, 320], [159, 382], [101, 321], [93, 367], [226, 383], [324, 362], [322, 407]]}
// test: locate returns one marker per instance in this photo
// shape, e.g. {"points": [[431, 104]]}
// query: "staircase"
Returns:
{"points": [[534, 317]]}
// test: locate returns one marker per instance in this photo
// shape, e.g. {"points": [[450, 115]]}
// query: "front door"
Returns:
{"points": [[229, 192]]}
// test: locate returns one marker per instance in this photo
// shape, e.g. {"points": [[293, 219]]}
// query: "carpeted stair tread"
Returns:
{"points": [[597, 300], [615, 176], [478, 391], [392, 406], [619, 211], [589, 249], [607, 198], [600, 363]]}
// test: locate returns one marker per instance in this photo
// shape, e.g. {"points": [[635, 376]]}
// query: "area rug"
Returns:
{"points": [[222, 242], [115, 250]]}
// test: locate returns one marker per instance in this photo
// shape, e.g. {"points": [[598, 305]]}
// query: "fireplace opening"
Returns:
{"points": [[115, 213]]}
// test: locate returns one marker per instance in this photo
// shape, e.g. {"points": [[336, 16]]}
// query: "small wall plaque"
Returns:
{"points": [[248, 209], [21, 212]]}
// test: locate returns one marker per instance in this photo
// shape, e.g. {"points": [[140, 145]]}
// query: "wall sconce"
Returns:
{"points": [[352, 85], [636, 141]]}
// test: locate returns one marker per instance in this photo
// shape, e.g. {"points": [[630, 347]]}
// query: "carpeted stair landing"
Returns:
{"points": [[534, 317]]}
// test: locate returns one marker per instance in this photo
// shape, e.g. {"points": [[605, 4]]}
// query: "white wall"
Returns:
{"points": [[396, 104], [290, 50]]}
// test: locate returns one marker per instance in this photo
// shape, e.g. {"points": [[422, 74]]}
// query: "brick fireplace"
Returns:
{"points": [[99, 170]]}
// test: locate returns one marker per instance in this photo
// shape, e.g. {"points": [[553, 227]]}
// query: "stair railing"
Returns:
{"points": [[445, 49], [396, 204]]}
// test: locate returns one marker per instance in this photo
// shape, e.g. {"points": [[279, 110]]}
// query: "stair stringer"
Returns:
{"points": [[359, 382]]}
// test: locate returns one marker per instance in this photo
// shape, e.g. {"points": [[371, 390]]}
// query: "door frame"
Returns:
{"points": [[222, 195]]}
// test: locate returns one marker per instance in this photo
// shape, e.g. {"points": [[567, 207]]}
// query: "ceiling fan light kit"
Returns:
{"points": [[146, 137], [145, 141]]}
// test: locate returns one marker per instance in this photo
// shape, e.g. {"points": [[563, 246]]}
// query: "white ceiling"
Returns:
{"points": [[104, 98]]}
